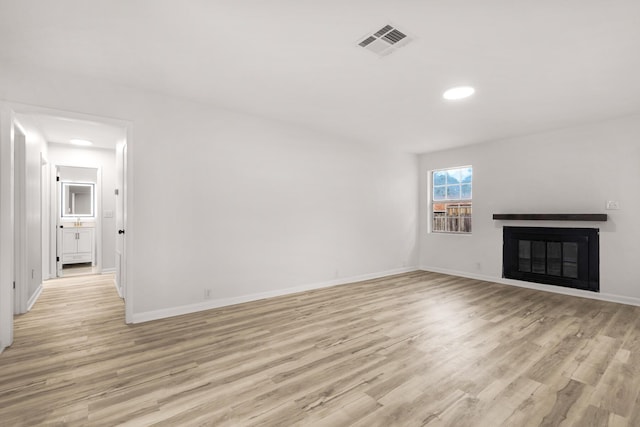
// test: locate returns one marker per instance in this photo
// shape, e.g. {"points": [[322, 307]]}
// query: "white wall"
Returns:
{"points": [[45, 186], [6, 227], [69, 153], [94, 158], [34, 148], [566, 171], [238, 204]]}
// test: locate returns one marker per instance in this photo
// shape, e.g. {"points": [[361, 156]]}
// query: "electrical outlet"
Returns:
{"points": [[613, 205], [207, 293]]}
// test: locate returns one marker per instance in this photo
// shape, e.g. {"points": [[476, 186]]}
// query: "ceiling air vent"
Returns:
{"points": [[384, 41], [367, 41]]}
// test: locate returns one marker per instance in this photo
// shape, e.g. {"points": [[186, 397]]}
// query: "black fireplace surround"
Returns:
{"points": [[566, 257]]}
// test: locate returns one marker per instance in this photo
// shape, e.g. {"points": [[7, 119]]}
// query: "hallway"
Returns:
{"points": [[60, 351]]}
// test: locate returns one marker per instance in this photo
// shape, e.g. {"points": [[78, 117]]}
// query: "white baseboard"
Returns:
{"points": [[111, 271], [34, 298], [118, 290], [621, 299], [222, 302]]}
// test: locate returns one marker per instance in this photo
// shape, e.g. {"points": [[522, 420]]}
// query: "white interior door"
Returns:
{"points": [[121, 179], [59, 229], [59, 247], [20, 225]]}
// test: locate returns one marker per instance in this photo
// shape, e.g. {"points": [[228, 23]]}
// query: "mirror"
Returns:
{"points": [[77, 199]]}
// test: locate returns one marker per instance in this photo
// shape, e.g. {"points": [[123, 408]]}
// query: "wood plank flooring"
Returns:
{"points": [[418, 349]]}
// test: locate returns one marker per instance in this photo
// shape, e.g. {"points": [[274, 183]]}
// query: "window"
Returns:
{"points": [[451, 200]]}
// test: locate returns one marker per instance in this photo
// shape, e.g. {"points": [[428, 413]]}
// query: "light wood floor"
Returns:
{"points": [[83, 269], [414, 349]]}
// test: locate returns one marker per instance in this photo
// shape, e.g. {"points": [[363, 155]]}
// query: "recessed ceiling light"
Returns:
{"points": [[458, 92], [81, 142]]}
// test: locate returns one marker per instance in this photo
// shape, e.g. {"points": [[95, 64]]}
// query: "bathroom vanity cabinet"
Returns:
{"points": [[78, 245]]}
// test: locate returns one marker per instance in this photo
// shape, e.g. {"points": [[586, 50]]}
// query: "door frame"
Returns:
{"points": [[6, 226], [8, 111], [56, 220], [21, 268]]}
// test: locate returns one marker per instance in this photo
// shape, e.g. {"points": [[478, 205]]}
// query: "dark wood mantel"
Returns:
{"points": [[551, 217]]}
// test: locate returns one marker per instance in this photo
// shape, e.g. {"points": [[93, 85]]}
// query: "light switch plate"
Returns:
{"points": [[108, 214]]}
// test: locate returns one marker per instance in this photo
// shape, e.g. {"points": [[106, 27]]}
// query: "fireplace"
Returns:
{"points": [[556, 256]]}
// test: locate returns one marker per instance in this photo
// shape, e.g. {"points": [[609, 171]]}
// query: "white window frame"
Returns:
{"points": [[463, 210]]}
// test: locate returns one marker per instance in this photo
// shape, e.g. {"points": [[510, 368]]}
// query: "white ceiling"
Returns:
{"points": [[536, 65], [62, 130]]}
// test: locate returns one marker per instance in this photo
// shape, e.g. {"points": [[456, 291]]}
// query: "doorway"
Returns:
{"points": [[78, 230], [106, 251]]}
